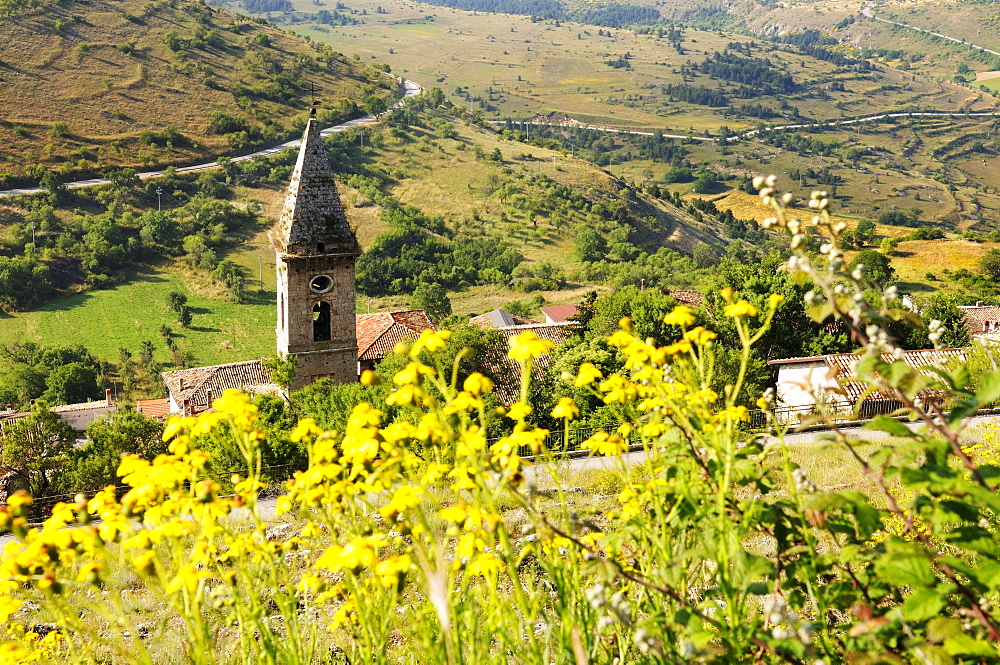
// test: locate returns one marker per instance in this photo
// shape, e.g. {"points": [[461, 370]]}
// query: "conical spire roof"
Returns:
{"points": [[313, 221]]}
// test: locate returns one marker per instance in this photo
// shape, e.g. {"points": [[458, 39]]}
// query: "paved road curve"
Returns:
{"points": [[869, 12], [410, 89]]}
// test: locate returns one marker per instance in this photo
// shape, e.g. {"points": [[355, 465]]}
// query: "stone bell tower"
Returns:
{"points": [[315, 254]]}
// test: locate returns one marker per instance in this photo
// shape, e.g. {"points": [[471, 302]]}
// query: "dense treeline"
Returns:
{"points": [[615, 15], [47, 246], [541, 8], [800, 144], [59, 375], [263, 6], [603, 148], [407, 255], [695, 94], [758, 75], [610, 15]]}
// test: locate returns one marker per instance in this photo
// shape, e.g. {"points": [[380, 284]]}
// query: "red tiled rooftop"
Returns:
{"points": [[560, 313], [379, 333], [153, 408]]}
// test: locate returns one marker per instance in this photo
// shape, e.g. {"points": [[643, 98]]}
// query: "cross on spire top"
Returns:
{"points": [[315, 102]]}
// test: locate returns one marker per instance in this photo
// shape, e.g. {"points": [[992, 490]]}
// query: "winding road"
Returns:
{"points": [[773, 128], [410, 89], [869, 12]]}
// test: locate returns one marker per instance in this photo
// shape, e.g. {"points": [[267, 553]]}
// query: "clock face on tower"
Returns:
{"points": [[321, 284]]}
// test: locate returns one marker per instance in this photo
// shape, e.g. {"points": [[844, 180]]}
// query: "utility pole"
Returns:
{"points": [[159, 191], [32, 234], [260, 266], [362, 141]]}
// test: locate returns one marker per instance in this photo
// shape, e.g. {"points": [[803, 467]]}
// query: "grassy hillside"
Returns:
{"points": [[454, 179], [154, 83], [509, 65]]}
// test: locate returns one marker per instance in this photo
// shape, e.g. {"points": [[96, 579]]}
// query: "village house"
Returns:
{"points": [[805, 384], [78, 416]]}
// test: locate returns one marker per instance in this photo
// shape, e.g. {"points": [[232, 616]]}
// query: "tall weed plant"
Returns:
{"points": [[421, 541]]}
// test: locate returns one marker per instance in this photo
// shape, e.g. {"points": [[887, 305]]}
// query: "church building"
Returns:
{"points": [[315, 255]]}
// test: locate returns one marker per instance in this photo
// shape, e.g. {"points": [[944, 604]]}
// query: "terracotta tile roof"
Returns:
{"points": [[154, 408], [195, 384], [507, 372], [500, 318], [559, 313], [378, 334], [846, 363], [981, 318], [689, 298]]}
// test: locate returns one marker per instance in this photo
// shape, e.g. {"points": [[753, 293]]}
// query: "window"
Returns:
{"points": [[321, 284], [281, 311], [321, 322]]}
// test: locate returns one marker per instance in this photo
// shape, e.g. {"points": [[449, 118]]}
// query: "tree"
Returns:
{"points": [[184, 316], [374, 105], [705, 183], [232, 275], [877, 267], [282, 370], [55, 187], [990, 264], [433, 299], [888, 246], [36, 447], [589, 245], [176, 300], [71, 383], [865, 232], [95, 465]]}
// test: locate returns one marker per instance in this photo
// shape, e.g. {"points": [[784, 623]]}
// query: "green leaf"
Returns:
{"points": [[989, 388], [890, 426], [941, 628], [935, 655], [966, 645], [905, 570], [923, 604]]}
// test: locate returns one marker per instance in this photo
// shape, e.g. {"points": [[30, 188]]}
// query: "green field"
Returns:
{"points": [[106, 320]]}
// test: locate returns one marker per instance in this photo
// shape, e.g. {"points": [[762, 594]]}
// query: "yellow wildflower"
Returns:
{"points": [[700, 336], [681, 316], [606, 444], [682, 346], [588, 374], [486, 565], [305, 430], [774, 300], [456, 513], [9, 607], [358, 553], [430, 341], [413, 374], [477, 384], [405, 496], [344, 615], [388, 571], [518, 411], [526, 346], [565, 409], [741, 309]]}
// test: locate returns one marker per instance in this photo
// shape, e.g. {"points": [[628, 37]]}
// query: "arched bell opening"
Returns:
{"points": [[321, 322]]}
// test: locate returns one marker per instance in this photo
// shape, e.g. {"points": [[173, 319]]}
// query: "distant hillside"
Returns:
{"points": [[97, 82]]}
